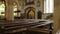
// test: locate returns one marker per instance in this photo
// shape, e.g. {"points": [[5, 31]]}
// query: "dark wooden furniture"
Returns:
{"points": [[21, 25]]}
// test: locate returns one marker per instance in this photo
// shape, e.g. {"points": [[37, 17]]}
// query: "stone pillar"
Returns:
{"points": [[56, 16], [9, 10]]}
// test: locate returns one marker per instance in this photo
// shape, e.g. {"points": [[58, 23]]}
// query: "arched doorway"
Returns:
{"points": [[31, 14]]}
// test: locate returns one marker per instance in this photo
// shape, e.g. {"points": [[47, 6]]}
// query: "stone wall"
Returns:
{"points": [[22, 7], [40, 8], [56, 16]]}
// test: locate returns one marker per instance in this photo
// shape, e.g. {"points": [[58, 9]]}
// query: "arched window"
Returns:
{"points": [[48, 6], [2, 9], [15, 9]]}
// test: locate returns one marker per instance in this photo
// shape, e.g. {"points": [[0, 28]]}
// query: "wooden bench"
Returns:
{"points": [[40, 30]]}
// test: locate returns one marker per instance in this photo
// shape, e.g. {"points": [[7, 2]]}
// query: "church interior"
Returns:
{"points": [[29, 16]]}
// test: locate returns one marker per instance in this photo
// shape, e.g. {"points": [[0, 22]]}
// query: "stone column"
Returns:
{"points": [[56, 16], [9, 10]]}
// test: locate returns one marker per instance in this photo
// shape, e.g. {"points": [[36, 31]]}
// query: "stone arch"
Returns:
{"points": [[29, 10]]}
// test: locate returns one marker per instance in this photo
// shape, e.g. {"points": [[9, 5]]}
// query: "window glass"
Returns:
{"points": [[48, 6], [2, 10], [15, 9]]}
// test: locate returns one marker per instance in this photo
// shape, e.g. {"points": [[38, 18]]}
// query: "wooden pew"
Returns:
{"points": [[40, 30], [18, 26]]}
